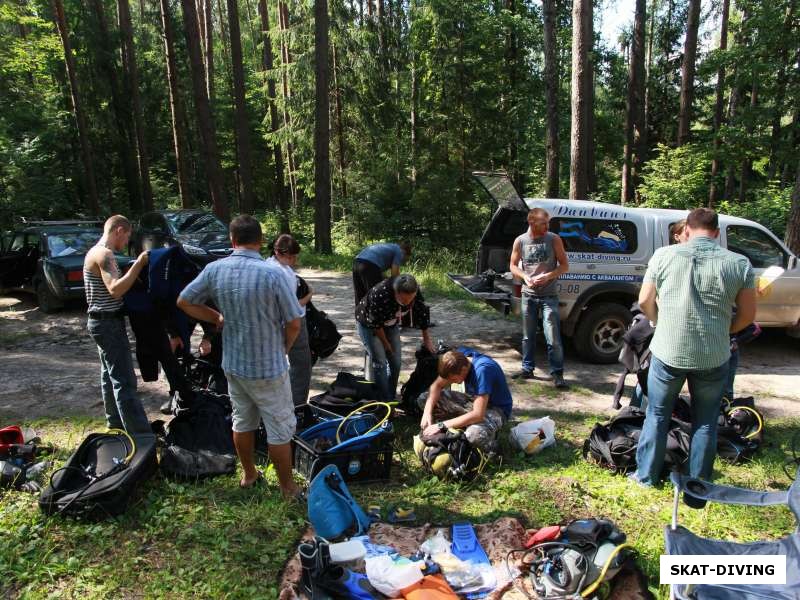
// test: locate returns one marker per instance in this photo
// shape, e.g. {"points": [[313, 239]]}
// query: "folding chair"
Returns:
{"points": [[681, 541]]}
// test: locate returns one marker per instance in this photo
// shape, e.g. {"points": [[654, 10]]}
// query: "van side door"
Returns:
{"points": [[776, 271]]}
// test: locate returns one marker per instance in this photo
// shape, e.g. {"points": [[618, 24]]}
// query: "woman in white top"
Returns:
{"points": [[285, 251]]}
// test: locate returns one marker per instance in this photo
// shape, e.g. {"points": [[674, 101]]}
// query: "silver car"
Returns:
{"points": [[609, 247]]}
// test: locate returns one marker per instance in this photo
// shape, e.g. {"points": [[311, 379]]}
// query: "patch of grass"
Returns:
{"points": [[211, 539]]}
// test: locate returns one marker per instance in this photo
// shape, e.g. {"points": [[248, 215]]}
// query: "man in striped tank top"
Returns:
{"points": [[689, 291], [105, 285]]}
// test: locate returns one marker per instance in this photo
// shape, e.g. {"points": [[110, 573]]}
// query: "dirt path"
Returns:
{"points": [[49, 366]]}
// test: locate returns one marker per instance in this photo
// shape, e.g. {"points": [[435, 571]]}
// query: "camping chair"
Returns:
{"points": [[681, 541]]}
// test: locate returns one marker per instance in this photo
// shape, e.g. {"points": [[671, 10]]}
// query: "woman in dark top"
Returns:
{"points": [[378, 318]]}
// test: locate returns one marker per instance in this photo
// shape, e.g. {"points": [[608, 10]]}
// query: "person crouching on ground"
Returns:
{"points": [[483, 415], [105, 286], [260, 319], [689, 291], [378, 320]]}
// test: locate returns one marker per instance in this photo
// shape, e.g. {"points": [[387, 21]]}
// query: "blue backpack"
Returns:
{"points": [[331, 509]]}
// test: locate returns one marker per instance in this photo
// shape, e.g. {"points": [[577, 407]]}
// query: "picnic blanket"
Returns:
{"points": [[497, 539]]}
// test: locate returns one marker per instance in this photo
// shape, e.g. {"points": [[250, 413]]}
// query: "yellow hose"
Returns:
{"points": [[593, 586], [130, 439], [755, 413], [359, 409]]}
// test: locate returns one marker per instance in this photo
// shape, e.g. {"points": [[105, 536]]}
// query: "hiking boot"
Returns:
{"points": [[523, 374], [558, 381]]}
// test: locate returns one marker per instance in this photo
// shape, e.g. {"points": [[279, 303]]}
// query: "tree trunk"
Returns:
{"points": [[77, 107], [687, 72], [175, 106], [121, 109], [242, 125], [591, 171], [780, 93], [634, 106], [578, 183], [733, 107], [266, 52], [551, 98], [713, 190], [208, 48], [286, 59], [205, 120], [322, 174], [339, 123], [793, 224], [646, 124], [794, 129], [132, 72], [746, 166]]}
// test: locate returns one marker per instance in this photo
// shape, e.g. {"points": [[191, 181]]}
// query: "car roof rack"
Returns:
{"points": [[82, 221]]}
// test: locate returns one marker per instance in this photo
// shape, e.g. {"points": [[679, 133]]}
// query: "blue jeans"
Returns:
{"points": [[733, 364], [382, 369], [551, 323], [117, 378], [664, 383]]}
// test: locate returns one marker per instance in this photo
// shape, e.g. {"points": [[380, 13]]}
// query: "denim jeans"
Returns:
{"points": [[382, 369], [664, 383], [551, 323], [733, 364], [300, 366], [117, 378]]}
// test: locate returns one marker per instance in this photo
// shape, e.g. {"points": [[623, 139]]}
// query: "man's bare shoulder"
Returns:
{"points": [[96, 258]]}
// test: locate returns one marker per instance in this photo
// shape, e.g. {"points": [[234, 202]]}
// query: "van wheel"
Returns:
{"points": [[598, 337], [48, 302]]}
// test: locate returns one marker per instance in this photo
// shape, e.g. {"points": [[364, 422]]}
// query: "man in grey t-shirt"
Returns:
{"points": [[538, 258]]}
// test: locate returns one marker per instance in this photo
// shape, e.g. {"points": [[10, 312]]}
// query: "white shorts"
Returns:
{"points": [[267, 400]]}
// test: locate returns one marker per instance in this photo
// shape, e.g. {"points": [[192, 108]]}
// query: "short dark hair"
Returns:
{"points": [[405, 246], [405, 284], [245, 230], [285, 244], [703, 218]]}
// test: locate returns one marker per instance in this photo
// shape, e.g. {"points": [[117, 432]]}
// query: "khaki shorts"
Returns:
{"points": [[267, 400]]}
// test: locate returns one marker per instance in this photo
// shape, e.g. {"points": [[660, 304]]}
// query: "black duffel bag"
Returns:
{"points": [[101, 477], [199, 441]]}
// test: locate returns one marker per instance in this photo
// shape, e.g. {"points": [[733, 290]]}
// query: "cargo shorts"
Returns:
{"points": [[267, 400]]}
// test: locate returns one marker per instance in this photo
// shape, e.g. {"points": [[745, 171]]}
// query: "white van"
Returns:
{"points": [[609, 247]]}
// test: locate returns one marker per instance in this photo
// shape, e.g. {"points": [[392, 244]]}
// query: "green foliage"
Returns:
{"points": [[768, 205], [676, 177]]}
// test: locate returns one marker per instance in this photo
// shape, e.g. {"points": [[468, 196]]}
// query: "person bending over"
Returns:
{"points": [[483, 414], [378, 321], [373, 261], [260, 319]]}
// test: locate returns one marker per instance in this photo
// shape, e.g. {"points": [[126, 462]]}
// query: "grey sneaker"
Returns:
{"points": [[523, 374], [558, 381]]}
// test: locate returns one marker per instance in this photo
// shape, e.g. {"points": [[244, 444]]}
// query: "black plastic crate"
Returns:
{"points": [[308, 415], [360, 466]]}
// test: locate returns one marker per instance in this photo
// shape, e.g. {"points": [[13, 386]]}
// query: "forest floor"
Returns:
{"points": [[209, 539], [50, 364]]}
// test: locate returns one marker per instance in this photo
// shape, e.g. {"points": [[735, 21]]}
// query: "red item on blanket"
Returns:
{"points": [[545, 534], [431, 587]]}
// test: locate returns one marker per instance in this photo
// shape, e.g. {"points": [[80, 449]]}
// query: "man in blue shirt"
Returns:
{"points": [[482, 411], [370, 264], [260, 319]]}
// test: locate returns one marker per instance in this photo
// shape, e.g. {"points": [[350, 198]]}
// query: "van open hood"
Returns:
{"points": [[499, 186]]}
